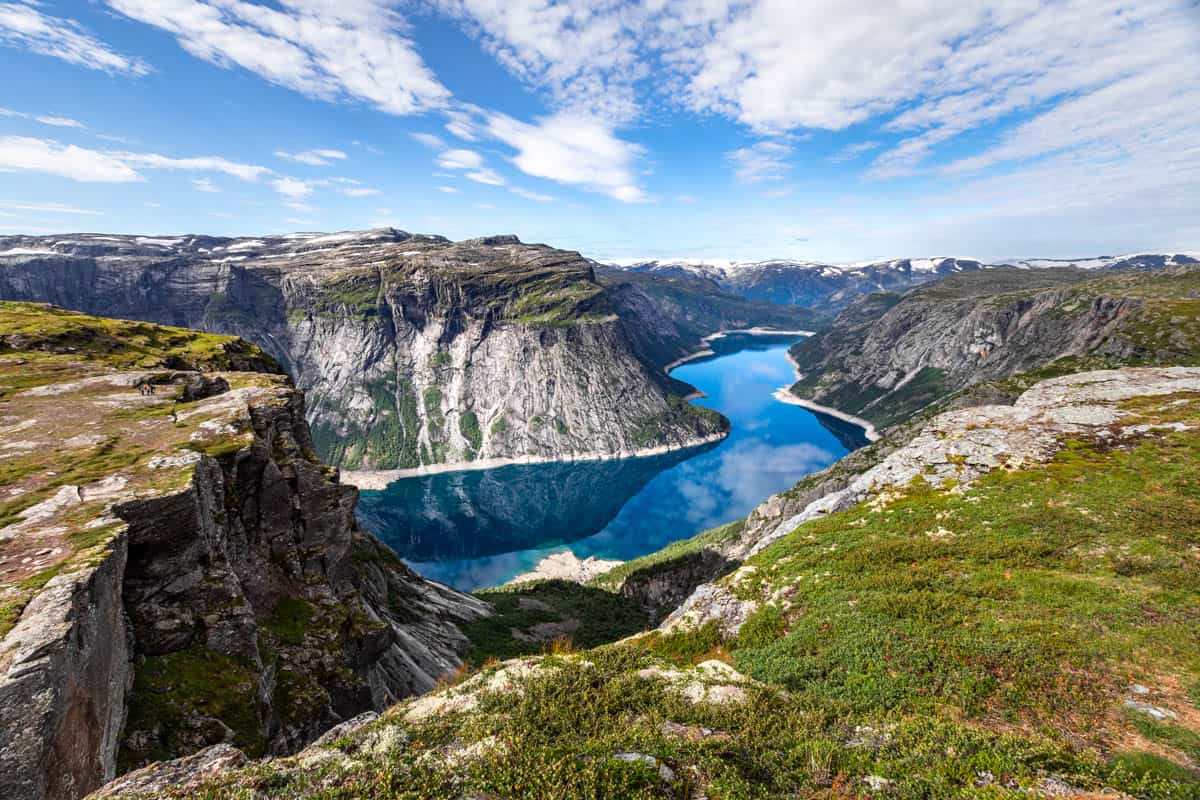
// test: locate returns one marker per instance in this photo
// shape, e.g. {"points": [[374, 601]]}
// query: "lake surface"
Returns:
{"points": [[481, 528]]}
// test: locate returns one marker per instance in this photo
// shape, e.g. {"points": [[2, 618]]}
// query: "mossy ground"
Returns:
{"points": [[71, 420]]}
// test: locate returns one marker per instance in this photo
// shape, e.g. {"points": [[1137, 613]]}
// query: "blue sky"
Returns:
{"points": [[835, 130]]}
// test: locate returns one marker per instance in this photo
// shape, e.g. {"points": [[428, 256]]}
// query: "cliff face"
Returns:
{"points": [[887, 356], [177, 568], [412, 350]]}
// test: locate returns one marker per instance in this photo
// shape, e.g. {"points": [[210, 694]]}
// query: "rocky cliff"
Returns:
{"points": [[412, 350], [177, 567], [887, 355]]}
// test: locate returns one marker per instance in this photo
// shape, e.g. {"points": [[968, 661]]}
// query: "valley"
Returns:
{"points": [[773, 598]]}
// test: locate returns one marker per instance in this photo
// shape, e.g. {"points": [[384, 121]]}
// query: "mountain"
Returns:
{"points": [[999, 601], [667, 313], [889, 355], [412, 350], [829, 287], [177, 567]]}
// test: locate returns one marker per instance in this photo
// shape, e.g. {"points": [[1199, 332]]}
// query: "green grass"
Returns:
{"points": [[1028, 613], [39, 328], [173, 694], [556, 740], [289, 620], [468, 424], [669, 556], [602, 617]]}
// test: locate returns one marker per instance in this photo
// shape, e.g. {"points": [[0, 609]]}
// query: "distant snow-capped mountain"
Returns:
{"points": [[826, 285]]}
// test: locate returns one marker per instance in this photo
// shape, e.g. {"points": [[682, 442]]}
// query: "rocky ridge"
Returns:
{"points": [[177, 567], [412, 350], [887, 355]]}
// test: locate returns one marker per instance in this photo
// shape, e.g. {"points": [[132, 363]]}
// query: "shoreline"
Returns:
{"points": [[705, 352], [375, 480], [784, 395]]}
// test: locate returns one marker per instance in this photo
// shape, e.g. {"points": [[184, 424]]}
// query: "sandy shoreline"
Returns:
{"points": [[373, 480], [784, 395]]}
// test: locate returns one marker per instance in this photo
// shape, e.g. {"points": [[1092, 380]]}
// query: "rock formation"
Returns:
{"points": [[177, 567]]}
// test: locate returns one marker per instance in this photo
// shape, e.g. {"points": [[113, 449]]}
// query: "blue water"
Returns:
{"points": [[481, 528]]}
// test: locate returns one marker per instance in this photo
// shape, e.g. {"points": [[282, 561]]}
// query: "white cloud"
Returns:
{"points": [[23, 154], [314, 158], [852, 151], [357, 49], [762, 161], [221, 214], [301, 222], [585, 54], [292, 187], [48, 119], [578, 151], [536, 197], [61, 122], [303, 208], [246, 172], [429, 140], [205, 185], [24, 26], [361, 191], [446, 189], [781, 192], [462, 123], [486, 176], [460, 159], [50, 208], [485, 206], [686, 198]]}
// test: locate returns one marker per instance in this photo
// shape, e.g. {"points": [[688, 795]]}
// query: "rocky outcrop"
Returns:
{"points": [[177, 567], [412, 350], [888, 356]]}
